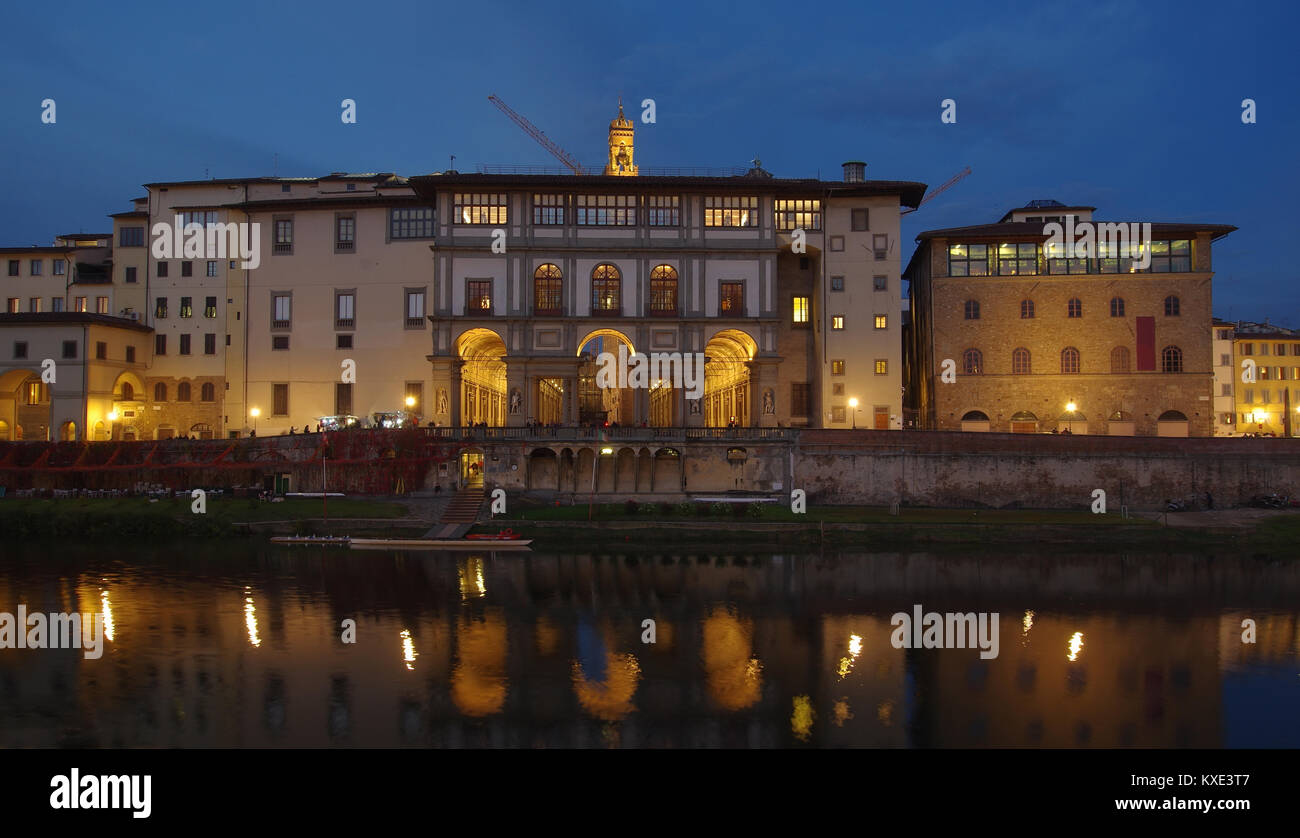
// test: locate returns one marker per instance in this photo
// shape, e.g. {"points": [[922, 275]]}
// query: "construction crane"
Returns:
{"points": [[938, 191], [537, 134]]}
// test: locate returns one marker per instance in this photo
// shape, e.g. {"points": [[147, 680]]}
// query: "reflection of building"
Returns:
{"points": [[1033, 341]]}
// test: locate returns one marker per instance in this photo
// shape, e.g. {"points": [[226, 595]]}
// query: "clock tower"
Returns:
{"points": [[620, 145]]}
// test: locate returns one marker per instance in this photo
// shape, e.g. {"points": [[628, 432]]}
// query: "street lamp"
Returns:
{"points": [[853, 406], [1070, 408], [255, 413]]}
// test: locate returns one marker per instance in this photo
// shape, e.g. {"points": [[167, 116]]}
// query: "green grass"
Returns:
{"points": [[774, 513], [135, 517]]}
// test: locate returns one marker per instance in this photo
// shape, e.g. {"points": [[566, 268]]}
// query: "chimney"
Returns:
{"points": [[854, 171]]}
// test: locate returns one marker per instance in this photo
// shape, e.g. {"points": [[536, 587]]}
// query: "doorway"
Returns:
{"points": [[471, 468]]}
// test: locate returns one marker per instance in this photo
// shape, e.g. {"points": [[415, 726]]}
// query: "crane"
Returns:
{"points": [[938, 190], [537, 134]]}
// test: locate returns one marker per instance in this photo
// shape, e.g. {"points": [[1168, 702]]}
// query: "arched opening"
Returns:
{"points": [[25, 405], [4, 431], [975, 420], [482, 378], [543, 469], [202, 430], [471, 468], [99, 433], [726, 379], [1024, 422], [1172, 423], [1072, 422], [600, 399], [1120, 423], [68, 432], [667, 474]]}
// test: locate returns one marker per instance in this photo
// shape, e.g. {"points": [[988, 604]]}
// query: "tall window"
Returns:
{"points": [[187, 307], [1074, 308], [414, 308], [210, 307], [185, 343], [730, 211], [800, 214], [478, 297], [345, 310], [548, 209], [1171, 306], [160, 308], [1020, 361], [282, 309], [160, 392], [1018, 259], [606, 210], [972, 362], [548, 290], [1026, 309], [279, 399], [731, 299], [345, 233], [882, 321], [160, 344], [1069, 360], [60, 267], [283, 236], [1171, 359], [478, 208], [210, 343], [1119, 360], [1116, 306], [183, 393], [342, 399], [606, 296], [663, 291], [972, 310], [208, 392], [410, 223], [130, 237], [799, 311], [968, 260], [800, 392], [663, 210]]}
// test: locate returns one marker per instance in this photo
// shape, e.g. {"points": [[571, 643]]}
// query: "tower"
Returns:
{"points": [[620, 145]]}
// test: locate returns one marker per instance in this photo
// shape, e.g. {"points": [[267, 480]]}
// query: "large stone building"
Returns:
{"points": [[1270, 355], [1009, 334], [485, 298]]}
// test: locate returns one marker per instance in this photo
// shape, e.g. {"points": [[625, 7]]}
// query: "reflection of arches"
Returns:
{"points": [[726, 378], [483, 377], [607, 693]]}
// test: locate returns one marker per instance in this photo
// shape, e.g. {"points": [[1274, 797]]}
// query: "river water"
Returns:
{"points": [[240, 644]]}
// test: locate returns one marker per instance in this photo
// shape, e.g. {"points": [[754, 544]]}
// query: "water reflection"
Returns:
{"points": [[238, 644]]}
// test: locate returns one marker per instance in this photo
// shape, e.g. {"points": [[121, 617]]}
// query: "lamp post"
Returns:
{"points": [[255, 413], [853, 406], [1070, 408]]}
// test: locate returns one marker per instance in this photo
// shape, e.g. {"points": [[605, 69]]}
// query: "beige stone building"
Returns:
{"points": [[1033, 341], [1267, 366]]}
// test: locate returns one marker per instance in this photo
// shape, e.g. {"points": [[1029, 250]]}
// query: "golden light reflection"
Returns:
{"points": [[735, 677], [107, 607], [1076, 643], [470, 576], [855, 649], [478, 679], [408, 649], [1028, 623], [548, 636], [885, 713], [250, 620], [842, 712], [610, 700], [801, 720]]}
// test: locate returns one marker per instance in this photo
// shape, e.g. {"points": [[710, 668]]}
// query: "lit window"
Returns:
{"points": [[837, 368], [606, 290], [882, 366], [799, 313], [478, 296], [968, 260], [606, 210], [798, 215], [837, 322], [972, 362], [731, 299], [477, 208], [730, 211], [882, 321], [663, 291], [548, 286]]}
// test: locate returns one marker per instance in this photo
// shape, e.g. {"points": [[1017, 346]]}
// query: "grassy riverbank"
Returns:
{"points": [[22, 518]]}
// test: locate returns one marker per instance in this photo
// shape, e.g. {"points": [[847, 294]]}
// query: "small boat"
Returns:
{"points": [[335, 540], [503, 535]]}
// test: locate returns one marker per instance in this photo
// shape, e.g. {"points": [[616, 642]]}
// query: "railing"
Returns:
{"points": [[572, 434]]}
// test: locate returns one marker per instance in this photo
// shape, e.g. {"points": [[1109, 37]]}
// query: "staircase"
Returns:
{"points": [[464, 507]]}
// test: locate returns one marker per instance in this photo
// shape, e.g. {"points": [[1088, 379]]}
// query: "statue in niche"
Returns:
{"points": [[516, 401], [695, 406], [442, 401], [769, 401]]}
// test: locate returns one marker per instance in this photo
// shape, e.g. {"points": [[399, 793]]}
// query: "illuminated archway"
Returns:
{"points": [[25, 404], [726, 378], [482, 378], [597, 404]]}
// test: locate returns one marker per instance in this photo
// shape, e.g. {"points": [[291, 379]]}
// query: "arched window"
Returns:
{"points": [[1171, 359], [1074, 308], [548, 290], [160, 392], [606, 296], [973, 362], [1020, 361], [663, 291], [208, 393], [1069, 360], [972, 310], [128, 392], [1171, 306], [1119, 360], [1116, 306], [975, 416], [1026, 309], [183, 392]]}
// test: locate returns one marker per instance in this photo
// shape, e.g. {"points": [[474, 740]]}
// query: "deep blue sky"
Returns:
{"points": [[1133, 108]]}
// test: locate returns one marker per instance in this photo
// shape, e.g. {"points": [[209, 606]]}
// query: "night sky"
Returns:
{"points": [[1132, 108]]}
